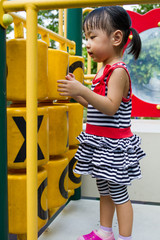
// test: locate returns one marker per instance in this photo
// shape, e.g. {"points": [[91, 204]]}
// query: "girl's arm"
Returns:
{"points": [[118, 87], [81, 100]]}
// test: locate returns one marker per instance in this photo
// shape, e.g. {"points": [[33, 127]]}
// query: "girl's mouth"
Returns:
{"points": [[90, 54]]}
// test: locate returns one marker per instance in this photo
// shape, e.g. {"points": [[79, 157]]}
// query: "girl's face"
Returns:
{"points": [[99, 45]]}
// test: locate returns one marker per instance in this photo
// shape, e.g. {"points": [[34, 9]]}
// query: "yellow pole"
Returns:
{"points": [[32, 73], [60, 22], [62, 46], [45, 38], [65, 22], [99, 65], [18, 30], [88, 64], [89, 76], [57, 4]]}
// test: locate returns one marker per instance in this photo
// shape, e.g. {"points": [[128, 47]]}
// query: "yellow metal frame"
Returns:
{"points": [[2, 12], [20, 5], [88, 77], [31, 110], [65, 23], [63, 28], [45, 33], [32, 7], [18, 29], [61, 22], [88, 57], [61, 32]]}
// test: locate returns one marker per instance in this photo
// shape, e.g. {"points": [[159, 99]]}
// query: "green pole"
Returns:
{"points": [[74, 28], [74, 33], [3, 140]]}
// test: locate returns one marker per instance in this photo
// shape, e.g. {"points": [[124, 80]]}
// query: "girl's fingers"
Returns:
{"points": [[68, 77], [61, 90], [62, 81], [63, 94], [61, 85], [72, 75]]}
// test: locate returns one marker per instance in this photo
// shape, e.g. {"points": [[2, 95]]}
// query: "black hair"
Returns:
{"points": [[110, 19]]}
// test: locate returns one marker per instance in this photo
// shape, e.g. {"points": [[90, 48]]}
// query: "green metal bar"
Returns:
{"points": [[3, 140], [74, 33], [74, 28]]}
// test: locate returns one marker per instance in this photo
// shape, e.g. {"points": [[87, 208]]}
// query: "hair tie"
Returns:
{"points": [[130, 33]]}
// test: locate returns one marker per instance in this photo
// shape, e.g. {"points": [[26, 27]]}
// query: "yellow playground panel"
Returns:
{"points": [[58, 125], [33, 71]]}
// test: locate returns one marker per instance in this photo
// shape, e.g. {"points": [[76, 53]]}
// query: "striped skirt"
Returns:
{"points": [[116, 160]]}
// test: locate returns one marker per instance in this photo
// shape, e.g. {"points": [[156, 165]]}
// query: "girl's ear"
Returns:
{"points": [[117, 38]]}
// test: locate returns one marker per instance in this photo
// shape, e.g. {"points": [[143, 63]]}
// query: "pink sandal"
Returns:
{"points": [[95, 236]]}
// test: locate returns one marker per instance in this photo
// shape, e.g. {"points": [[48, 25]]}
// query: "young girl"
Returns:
{"points": [[108, 149]]}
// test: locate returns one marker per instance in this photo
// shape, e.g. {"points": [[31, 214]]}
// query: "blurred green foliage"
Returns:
{"points": [[49, 19], [144, 8], [148, 63]]}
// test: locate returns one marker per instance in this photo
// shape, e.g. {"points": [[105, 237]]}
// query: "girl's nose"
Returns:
{"points": [[87, 44]]}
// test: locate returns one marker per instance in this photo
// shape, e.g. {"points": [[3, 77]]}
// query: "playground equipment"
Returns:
{"points": [[31, 8], [16, 59], [16, 136], [145, 103], [52, 65], [17, 200], [58, 126]]}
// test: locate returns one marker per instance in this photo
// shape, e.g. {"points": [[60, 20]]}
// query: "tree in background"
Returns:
{"points": [[144, 8], [49, 19]]}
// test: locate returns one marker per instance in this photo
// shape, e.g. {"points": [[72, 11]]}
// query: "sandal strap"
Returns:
{"points": [[95, 236], [92, 236]]}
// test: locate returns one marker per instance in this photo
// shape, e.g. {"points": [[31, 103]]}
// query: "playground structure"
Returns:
{"points": [[31, 111]]}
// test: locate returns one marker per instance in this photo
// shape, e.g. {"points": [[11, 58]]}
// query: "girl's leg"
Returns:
{"points": [[125, 218], [107, 208], [119, 195]]}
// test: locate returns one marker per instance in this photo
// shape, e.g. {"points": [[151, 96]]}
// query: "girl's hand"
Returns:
{"points": [[70, 86]]}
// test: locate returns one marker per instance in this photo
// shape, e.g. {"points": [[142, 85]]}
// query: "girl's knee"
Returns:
{"points": [[118, 193]]}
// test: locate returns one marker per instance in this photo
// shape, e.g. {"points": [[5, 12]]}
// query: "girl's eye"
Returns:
{"points": [[92, 37]]}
